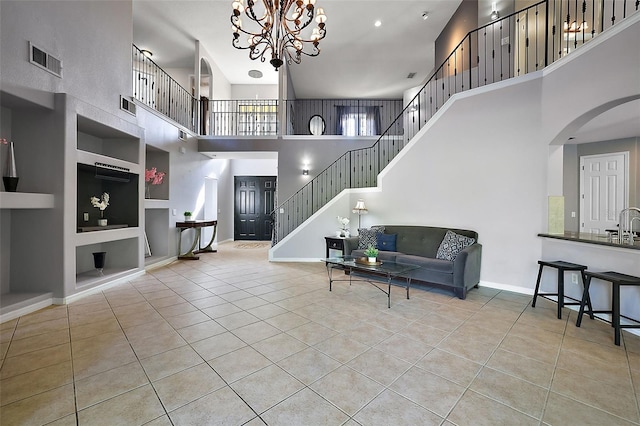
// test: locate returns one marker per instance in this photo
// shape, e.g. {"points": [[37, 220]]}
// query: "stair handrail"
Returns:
{"points": [[551, 18]]}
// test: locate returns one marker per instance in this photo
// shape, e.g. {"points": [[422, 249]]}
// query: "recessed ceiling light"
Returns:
{"points": [[377, 23], [425, 15], [255, 73]]}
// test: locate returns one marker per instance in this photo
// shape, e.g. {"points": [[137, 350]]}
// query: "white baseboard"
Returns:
{"points": [[507, 287], [25, 310], [160, 263], [97, 289]]}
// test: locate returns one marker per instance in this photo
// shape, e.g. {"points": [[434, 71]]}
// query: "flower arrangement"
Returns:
{"points": [[344, 222], [153, 176], [102, 203]]}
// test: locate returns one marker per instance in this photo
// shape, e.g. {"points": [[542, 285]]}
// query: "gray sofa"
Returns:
{"points": [[418, 245]]}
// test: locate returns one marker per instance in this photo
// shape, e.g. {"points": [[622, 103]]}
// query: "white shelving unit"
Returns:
{"points": [[42, 259], [102, 139], [22, 200], [156, 214]]}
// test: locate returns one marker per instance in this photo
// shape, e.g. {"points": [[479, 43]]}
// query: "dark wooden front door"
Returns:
{"points": [[254, 202]]}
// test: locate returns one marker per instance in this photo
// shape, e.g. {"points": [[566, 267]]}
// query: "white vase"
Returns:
{"points": [[372, 260]]}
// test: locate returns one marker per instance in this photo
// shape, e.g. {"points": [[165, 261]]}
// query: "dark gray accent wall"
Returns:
{"points": [[465, 19], [292, 152]]}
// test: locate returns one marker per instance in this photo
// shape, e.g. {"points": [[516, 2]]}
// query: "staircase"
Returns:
{"points": [[520, 43]]}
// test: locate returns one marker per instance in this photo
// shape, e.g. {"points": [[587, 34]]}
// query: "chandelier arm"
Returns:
{"points": [[277, 32]]}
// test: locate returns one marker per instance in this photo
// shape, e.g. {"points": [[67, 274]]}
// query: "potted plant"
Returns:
{"points": [[372, 253], [187, 216]]}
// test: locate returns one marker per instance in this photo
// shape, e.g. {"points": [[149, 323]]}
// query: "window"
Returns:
{"points": [[259, 118], [358, 121]]}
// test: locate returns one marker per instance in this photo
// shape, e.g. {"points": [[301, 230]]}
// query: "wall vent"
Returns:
{"points": [[411, 75], [127, 105], [45, 60], [182, 135]]}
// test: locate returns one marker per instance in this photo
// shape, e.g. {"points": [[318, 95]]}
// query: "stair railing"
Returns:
{"points": [[517, 44]]}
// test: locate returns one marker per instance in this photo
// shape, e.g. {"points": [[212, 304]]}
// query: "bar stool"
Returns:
{"points": [[616, 279], [562, 267]]}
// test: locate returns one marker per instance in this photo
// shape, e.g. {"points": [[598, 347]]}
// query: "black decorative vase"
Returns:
{"points": [[98, 260], [10, 177], [10, 183]]}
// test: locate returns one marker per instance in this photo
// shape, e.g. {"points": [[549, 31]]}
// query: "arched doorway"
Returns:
{"points": [[206, 94]]}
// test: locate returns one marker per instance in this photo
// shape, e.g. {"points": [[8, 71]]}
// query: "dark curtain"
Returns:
{"points": [[374, 122], [342, 112]]}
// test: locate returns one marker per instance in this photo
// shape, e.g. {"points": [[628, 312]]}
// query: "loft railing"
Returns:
{"points": [[249, 117], [342, 117], [155, 88], [520, 43], [261, 117]]}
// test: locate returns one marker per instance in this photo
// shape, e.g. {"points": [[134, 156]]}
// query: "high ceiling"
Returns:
{"points": [[358, 60]]}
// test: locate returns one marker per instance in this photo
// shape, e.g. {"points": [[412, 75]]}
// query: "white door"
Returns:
{"points": [[604, 190]]}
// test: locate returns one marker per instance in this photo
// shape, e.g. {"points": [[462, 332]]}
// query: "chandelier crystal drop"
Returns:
{"points": [[277, 28]]}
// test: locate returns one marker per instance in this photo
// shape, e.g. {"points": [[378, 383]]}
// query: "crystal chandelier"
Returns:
{"points": [[280, 24]]}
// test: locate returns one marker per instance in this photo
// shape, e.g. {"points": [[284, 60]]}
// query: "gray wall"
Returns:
{"points": [[292, 153], [92, 38], [571, 183]]}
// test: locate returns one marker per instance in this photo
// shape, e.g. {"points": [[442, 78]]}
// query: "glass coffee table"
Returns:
{"points": [[386, 269]]}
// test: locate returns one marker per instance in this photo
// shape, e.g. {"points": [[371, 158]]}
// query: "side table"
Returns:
{"points": [[334, 243]]}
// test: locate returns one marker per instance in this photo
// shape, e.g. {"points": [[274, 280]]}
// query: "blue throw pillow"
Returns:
{"points": [[386, 242]]}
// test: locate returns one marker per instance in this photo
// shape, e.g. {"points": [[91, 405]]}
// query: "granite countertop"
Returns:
{"points": [[599, 239]]}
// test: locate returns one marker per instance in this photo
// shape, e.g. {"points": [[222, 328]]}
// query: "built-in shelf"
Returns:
{"points": [[93, 278], [100, 228], [24, 200], [91, 158], [156, 204], [85, 238]]}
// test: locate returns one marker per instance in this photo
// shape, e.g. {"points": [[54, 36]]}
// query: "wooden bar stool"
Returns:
{"points": [[562, 267], [617, 280]]}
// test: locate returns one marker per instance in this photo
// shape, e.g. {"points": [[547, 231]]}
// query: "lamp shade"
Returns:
{"points": [[360, 208]]}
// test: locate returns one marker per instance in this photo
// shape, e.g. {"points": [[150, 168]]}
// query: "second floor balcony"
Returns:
{"points": [[309, 117]]}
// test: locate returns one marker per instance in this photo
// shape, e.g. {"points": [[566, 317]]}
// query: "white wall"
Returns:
{"points": [[254, 91], [482, 162], [92, 38]]}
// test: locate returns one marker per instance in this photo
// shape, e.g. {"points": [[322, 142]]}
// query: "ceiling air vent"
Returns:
{"points": [[44, 60], [182, 135], [411, 75], [127, 105]]}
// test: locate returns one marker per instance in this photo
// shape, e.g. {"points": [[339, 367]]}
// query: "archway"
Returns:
{"points": [[609, 129], [206, 95]]}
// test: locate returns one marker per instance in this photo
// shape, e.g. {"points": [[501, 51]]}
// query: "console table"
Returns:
{"points": [[197, 225]]}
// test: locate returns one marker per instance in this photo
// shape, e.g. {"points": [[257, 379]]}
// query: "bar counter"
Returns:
{"points": [[599, 239]]}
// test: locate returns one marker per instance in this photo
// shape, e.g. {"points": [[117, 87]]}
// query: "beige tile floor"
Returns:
{"points": [[232, 339]]}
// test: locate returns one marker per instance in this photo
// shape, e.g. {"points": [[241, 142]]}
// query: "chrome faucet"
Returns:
{"points": [[621, 226], [631, 233]]}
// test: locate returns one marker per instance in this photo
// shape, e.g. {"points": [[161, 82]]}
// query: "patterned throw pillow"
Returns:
{"points": [[386, 242], [452, 244], [368, 237]]}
